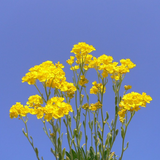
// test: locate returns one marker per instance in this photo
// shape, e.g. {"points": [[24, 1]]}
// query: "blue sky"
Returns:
{"points": [[32, 32]]}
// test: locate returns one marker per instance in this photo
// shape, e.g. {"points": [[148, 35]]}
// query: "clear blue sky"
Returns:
{"points": [[33, 31]]}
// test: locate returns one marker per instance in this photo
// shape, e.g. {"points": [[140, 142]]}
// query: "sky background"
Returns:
{"points": [[33, 31]]}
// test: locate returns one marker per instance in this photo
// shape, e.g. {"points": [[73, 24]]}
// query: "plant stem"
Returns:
{"points": [[26, 134], [126, 126]]}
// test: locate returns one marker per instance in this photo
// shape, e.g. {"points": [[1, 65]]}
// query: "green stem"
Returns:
{"points": [[45, 130], [102, 117], [126, 126], [60, 136], [68, 137], [55, 139], [91, 129], [26, 134], [40, 93], [95, 133], [85, 123]]}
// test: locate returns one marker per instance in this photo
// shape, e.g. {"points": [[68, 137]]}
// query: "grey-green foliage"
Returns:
{"points": [[90, 155]]}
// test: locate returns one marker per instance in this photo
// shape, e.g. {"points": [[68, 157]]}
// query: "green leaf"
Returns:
{"points": [[79, 127], [84, 124], [74, 154], [57, 126], [117, 109], [36, 150], [75, 118], [126, 146], [60, 156], [107, 115], [72, 141], [100, 136], [100, 148], [116, 132], [63, 153], [107, 139], [105, 154], [97, 156], [75, 132], [87, 98], [58, 130], [80, 136], [65, 122], [86, 138], [69, 120], [91, 153], [122, 132], [95, 119], [61, 135], [99, 126], [68, 155], [84, 155], [112, 123], [91, 124], [78, 115], [110, 140]]}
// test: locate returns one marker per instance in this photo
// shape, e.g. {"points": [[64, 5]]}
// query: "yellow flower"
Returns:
{"points": [[127, 87], [132, 102], [81, 51], [85, 106], [71, 60], [94, 107], [34, 101], [105, 60], [83, 81], [128, 63], [97, 88], [73, 68], [93, 63], [18, 110], [82, 48], [48, 73], [56, 108]]}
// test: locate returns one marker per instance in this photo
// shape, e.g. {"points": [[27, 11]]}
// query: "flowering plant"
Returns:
{"points": [[55, 105]]}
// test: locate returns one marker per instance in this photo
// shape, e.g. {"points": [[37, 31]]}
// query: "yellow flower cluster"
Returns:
{"points": [[50, 74], [83, 81], [103, 63], [46, 71], [97, 88], [81, 51], [93, 106], [126, 65], [55, 108], [69, 88], [132, 102], [18, 110], [35, 101]]}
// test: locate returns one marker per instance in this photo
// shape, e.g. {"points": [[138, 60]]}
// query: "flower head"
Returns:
{"points": [[132, 102]]}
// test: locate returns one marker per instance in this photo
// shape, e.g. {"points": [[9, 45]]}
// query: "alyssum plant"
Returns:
{"points": [[54, 108]]}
